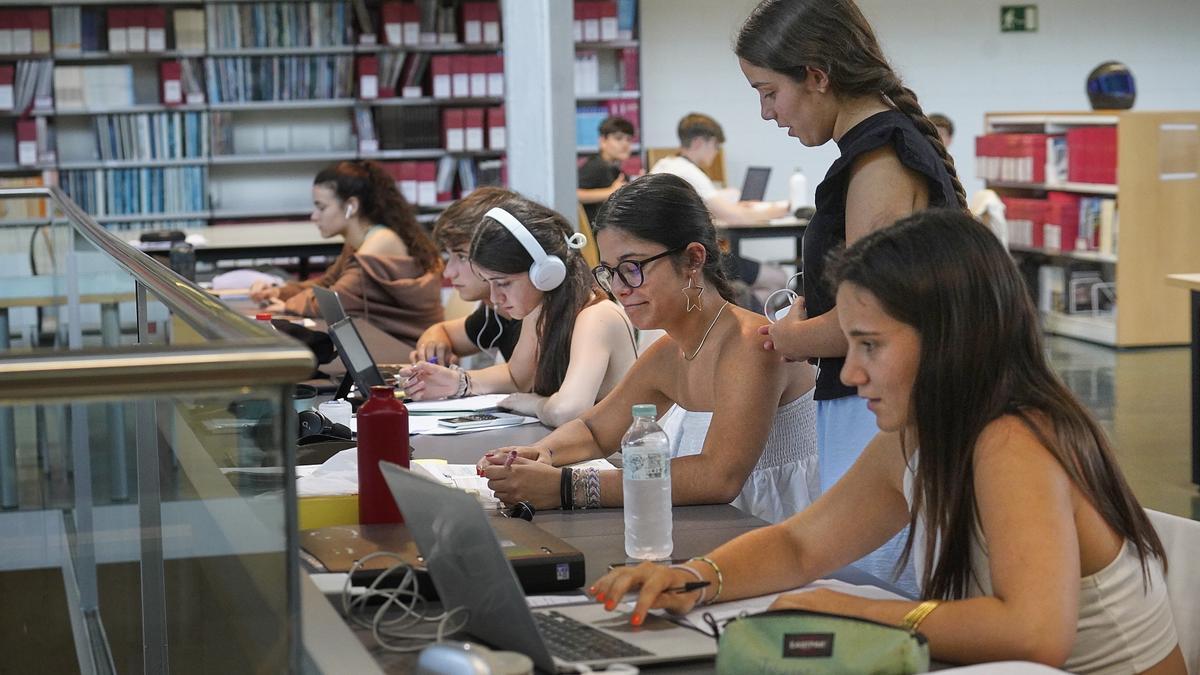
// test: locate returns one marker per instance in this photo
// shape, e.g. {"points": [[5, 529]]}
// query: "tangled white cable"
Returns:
{"points": [[577, 241], [405, 598]]}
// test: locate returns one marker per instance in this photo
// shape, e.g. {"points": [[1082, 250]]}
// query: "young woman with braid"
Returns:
{"points": [[388, 271], [819, 72]]}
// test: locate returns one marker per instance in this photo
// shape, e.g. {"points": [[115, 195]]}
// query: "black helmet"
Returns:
{"points": [[1110, 87]]}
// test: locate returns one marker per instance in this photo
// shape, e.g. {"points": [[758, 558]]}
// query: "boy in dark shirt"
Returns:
{"points": [[601, 175]]}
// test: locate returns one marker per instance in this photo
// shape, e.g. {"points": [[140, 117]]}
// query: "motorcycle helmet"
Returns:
{"points": [[1110, 87]]}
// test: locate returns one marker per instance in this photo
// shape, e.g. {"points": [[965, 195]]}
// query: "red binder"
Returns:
{"points": [[156, 28], [495, 81], [440, 66], [490, 16], [408, 181], [22, 32], [6, 87], [460, 68], [118, 32], [368, 77], [40, 21], [473, 122], [170, 76], [392, 14], [472, 22], [27, 142], [479, 66], [453, 130], [426, 183], [496, 129], [135, 29], [608, 20]]}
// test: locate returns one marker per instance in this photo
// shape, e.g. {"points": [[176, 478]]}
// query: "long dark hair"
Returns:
{"points": [[789, 36], [380, 202], [665, 209], [495, 248], [946, 275]]}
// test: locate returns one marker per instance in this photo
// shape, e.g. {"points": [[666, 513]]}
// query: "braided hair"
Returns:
{"points": [[380, 202], [790, 36]]}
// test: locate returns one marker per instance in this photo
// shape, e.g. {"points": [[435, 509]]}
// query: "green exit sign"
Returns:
{"points": [[1018, 19]]}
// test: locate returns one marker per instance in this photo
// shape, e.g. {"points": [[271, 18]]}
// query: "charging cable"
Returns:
{"points": [[413, 610], [788, 293]]}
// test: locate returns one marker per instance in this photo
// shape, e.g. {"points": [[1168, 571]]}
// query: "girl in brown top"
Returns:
{"points": [[388, 271]]}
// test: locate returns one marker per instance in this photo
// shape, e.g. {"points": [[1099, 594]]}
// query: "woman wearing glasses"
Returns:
{"points": [[579, 340], [660, 260]]}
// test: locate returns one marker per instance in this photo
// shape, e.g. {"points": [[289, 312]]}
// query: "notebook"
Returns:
{"points": [[468, 567], [754, 188]]}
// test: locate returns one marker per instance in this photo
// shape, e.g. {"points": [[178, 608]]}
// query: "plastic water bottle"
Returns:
{"points": [[646, 463], [797, 190]]}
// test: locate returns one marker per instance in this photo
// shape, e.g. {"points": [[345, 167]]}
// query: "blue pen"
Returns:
{"points": [[433, 360]]}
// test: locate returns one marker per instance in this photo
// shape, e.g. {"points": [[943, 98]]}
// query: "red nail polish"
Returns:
{"points": [[600, 597], [592, 590], [610, 605], [637, 619]]}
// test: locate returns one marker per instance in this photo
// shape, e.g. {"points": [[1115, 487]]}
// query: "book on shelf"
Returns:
{"points": [[412, 75], [150, 190], [1092, 154], [244, 25], [409, 128], [191, 76], [27, 142], [156, 28], [366, 24], [93, 87], [170, 81], [473, 129], [151, 136], [67, 30], [1021, 158], [22, 209], [279, 78], [627, 68], [401, 23], [587, 72], [364, 128], [7, 97], [118, 33], [33, 85], [442, 74], [454, 129], [189, 29], [496, 129], [460, 76], [472, 23], [39, 22], [626, 19], [368, 77]]}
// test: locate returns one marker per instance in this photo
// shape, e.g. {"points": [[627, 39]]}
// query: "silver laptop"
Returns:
{"points": [[329, 304], [754, 188], [468, 568]]}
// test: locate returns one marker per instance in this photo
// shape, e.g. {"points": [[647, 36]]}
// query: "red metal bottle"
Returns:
{"points": [[382, 435]]}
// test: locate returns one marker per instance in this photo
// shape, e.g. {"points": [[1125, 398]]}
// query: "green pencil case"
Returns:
{"points": [[795, 641]]}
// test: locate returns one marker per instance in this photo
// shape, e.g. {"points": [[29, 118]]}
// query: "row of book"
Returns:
{"points": [[433, 183], [588, 70], [279, 78], [431, 22], [1082, 155], [596, 21], [277, 134], [78, 30], [408, 128], [26, 86], [24, 31], [33, 142], [107, 192], [473, 129], [146, 136], [93, 87], [278, 24], [589, 117], [467, 76], [1063, 222], [1075, 290]]}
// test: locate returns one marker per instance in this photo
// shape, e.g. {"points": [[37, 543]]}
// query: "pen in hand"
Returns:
{"points": [[689, 587]]}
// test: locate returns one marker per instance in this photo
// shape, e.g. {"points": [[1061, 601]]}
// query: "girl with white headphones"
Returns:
{"points": [[580, 340]]}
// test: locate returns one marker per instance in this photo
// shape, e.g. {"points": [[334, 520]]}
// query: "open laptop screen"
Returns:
{"points": [[329, 304], [755, 186], [353, 352]]}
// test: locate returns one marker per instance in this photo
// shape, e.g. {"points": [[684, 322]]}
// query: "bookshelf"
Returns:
{"points": [[607, 72], [274, 90], [1125, 187]]}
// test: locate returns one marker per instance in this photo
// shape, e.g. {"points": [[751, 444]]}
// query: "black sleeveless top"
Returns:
{"points": [[827, 229]]}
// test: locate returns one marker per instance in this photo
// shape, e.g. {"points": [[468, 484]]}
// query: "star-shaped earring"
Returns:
{"points": [[693, 292]]}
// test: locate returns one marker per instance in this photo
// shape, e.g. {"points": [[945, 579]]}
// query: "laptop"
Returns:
{"points": [[360, 365], [468, 568], [754, 188], [329, 304]]}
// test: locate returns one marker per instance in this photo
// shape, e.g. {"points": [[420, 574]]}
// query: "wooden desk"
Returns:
{"points": [[261, 240], [1192, 283]]}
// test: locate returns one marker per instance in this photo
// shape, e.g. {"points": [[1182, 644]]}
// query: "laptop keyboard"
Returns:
{"points": [[572, 640]]}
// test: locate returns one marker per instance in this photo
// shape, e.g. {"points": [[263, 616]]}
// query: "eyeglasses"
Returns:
{"points": [[629, 271]]}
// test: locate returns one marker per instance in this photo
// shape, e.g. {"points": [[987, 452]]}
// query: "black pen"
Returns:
{"points": [[689, 587]]}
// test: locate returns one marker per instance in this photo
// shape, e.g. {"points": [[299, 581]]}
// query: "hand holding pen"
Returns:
{"points": [[426, 380], [677, 589]]}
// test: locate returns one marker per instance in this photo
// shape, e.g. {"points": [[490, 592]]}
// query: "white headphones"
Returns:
{"points": [[791, 296], [547, 271], [349, 210]]}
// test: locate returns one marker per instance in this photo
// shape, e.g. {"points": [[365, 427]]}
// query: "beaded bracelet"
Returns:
{"points": [[585, 488], [461, 389]]}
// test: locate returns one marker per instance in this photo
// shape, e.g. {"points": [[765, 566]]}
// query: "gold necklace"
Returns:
{"points": [[705, 337]]}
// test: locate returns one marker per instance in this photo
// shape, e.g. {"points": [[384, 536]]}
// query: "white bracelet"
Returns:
{"points": [[699, 577]]}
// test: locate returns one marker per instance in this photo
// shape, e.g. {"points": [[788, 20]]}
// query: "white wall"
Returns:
{"points": [[950, 52]]}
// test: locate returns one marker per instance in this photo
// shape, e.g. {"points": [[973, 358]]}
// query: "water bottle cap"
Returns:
{"points": [[262, 316], [645, 410]]}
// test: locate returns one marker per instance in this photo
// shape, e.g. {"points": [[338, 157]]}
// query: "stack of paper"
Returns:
{"points": [[458, 406]]}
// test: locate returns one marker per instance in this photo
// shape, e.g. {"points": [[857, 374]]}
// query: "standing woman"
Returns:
{"points": [[388, 271], [820, 73], [578, 342]]}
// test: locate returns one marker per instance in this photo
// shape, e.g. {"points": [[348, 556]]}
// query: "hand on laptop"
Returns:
{"points": [[654, 585]]}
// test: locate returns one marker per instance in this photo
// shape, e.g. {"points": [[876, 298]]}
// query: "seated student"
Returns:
{"points": [[388, 270], [656, 239], [945, 128], [700, 137], [575, 344], [485, 329], [601, 175], [1028, 541]]}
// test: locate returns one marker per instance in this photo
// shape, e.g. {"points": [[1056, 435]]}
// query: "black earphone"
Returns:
{"points": [[523, 510], [313, 423]]}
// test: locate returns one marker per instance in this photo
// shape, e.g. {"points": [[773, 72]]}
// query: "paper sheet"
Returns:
{"points": [[461, 476], [470, 404], [427, 424], [727, 610]]}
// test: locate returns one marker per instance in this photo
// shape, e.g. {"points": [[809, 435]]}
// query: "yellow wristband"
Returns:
{"points": [[913, 619]]}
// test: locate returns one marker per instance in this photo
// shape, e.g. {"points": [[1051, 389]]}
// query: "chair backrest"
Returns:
{"points": [[591, 252], [1181, 539], [715, 171]]}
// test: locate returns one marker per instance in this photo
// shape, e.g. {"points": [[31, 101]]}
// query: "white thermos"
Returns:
{"points": [[797, 190]]}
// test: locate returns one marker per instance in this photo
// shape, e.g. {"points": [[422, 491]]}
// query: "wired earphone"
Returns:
{"points": [[791, 298]]}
